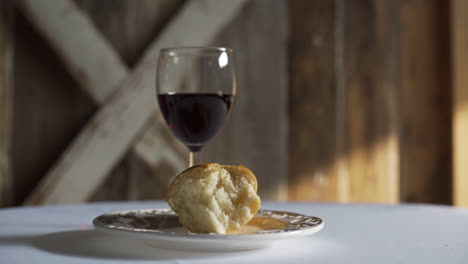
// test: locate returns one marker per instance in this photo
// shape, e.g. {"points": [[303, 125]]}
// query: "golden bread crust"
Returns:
{"points": [[212, 198]]}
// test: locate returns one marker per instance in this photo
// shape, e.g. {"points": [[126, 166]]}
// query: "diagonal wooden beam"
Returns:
{"points": [[87, 55], [92, 61], [107, 136]]}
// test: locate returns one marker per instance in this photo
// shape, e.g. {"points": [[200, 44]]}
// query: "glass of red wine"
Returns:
{"points": [[196, 87]]}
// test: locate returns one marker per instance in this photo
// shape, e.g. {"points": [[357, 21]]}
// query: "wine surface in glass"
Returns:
{"points": [[195, 118]]}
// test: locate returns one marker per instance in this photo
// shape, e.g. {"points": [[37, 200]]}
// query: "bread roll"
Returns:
{"points": [[212, 198]]}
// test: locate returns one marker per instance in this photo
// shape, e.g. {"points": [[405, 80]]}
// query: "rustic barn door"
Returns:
{"points": [[338, 100], [111, 54]]}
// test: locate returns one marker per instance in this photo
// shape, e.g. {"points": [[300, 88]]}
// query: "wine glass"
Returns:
{"points": [[195, 87]]}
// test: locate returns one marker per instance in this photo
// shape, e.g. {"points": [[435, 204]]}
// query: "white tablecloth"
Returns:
{"points": [[354, 233]]}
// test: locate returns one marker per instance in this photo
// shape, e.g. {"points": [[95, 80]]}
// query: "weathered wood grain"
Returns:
{"points": [[151, 182], [49, 109], [344, 101], [371, 92], [129, 26], [106, 138], [312, 103], [459, 11], [98, 70], [425, 102], [6, 101], [255, 134], [97, 51]]}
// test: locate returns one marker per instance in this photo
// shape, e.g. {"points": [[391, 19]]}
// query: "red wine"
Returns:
{"points": [[195, 118]]}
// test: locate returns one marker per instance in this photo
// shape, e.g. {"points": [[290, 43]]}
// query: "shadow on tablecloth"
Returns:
{"points": [[94, 244]]}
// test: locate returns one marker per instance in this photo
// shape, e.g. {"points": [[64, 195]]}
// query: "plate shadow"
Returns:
{"points": [[94, 244]]}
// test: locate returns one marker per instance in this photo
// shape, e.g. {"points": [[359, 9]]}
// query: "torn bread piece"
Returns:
{"points": [[212, 198]]}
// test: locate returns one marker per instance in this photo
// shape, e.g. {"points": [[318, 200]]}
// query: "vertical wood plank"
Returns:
{"points": [[6, 101], [345, 130], [425, 102], [312, 103], [256, 132], [460, 101], [371, 83]]}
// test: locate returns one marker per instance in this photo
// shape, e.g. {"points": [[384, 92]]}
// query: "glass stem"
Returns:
{"points": [[194, 158]]}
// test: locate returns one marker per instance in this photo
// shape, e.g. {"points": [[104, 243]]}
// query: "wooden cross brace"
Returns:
{"points": [[126, 97]]}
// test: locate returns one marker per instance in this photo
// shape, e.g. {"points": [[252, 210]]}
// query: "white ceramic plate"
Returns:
{"points": [[160, 228]]}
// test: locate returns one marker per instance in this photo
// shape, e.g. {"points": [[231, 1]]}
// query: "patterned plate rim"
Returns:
{"points": [[296, 225]]}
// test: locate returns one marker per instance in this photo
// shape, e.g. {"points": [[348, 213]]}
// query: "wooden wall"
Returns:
{"points": [[345, 101], [370, 101], [130, 26], [49, 108], [312, 101], [256, 133], [337, 100], [426, 133]]}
